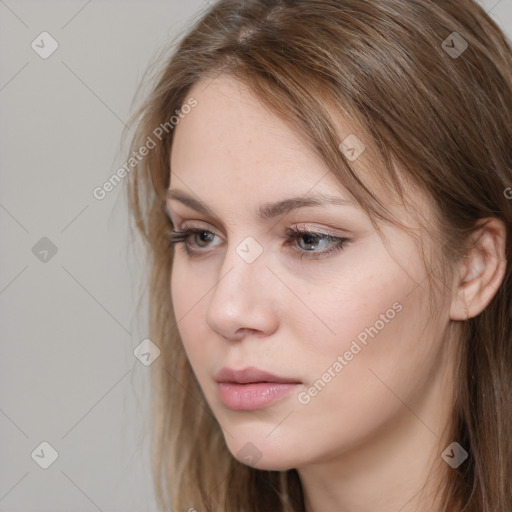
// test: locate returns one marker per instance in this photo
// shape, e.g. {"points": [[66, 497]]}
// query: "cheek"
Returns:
{"points": [[189, 294], [375, 316], [185, 296], [379, 352], [181, 291], [189, 286], [362, 296]]}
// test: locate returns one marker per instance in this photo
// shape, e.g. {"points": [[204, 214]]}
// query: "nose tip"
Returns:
{"points": [[239, 305]]}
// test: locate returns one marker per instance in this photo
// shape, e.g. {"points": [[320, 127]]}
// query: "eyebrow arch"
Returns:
{"points": [[267, 210]]}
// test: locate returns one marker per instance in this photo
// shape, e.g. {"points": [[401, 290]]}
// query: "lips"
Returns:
{"points": [[250, 375], [250, 389]]}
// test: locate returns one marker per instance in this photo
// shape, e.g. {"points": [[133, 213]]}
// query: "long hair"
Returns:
{"points": [[428, 84]]}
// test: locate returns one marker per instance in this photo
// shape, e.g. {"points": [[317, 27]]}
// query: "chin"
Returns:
{"points": [[263, 453], [271, 463]]}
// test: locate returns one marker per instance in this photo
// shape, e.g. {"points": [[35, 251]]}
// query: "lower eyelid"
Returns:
{"points": [[336, 243], [290, 233]]}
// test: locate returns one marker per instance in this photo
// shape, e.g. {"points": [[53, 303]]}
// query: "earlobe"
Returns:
{"points": [[481, 272]]}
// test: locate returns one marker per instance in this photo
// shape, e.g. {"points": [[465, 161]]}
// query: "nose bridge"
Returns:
{"points": [[243, 267], [239, 301]]}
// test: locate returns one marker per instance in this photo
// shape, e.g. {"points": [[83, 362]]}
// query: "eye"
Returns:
{"points": [[182, 236], [292, 235], [334, 243]]}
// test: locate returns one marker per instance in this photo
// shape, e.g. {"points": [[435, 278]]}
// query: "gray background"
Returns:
{"points": [[70, 323]]}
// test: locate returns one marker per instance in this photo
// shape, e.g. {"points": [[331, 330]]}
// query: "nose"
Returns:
{"points": [[243, 300]]}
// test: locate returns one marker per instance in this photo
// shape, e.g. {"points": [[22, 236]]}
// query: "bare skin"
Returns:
{"points": [[371, 437]]}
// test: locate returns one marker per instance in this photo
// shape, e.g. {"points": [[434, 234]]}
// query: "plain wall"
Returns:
{"points": [[69, 324], [70, 321]]}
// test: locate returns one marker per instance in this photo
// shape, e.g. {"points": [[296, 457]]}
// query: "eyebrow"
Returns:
{"points": [[267, 210]]}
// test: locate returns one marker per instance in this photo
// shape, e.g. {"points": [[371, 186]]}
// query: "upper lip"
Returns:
{"points": [[248, 375]]}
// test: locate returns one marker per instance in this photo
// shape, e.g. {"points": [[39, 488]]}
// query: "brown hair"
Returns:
{"points": [[446, 118]]}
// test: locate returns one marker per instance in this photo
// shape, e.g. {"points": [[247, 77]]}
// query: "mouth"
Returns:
{"points": [[250, 389]]}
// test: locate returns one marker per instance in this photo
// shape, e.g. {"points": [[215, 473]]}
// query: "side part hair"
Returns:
{"points": [[444, 119]]}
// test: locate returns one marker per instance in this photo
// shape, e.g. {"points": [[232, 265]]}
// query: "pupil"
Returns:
{"points": [[204, 236], [309, 238]]}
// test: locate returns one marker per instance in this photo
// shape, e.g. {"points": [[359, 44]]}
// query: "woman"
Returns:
{"points": [[326, 200]]}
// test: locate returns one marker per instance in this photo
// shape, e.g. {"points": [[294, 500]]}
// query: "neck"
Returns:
{"points": [[400, 468]]}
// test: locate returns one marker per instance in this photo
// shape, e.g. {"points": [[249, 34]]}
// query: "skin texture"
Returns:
{"points": [[367, 440]]}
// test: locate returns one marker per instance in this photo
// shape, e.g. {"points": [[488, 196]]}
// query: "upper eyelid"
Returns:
{"points": [[336, 242], [341, 232], [301, 227], [270, 211]]}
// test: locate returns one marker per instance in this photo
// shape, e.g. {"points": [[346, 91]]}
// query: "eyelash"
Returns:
{"points": [[178, 237]]}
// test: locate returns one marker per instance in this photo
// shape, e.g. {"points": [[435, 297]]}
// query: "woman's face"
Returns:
{"points": [[346, 328]]}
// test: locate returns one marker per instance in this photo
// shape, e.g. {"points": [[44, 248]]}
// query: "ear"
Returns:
{"points": [[481, 272]]}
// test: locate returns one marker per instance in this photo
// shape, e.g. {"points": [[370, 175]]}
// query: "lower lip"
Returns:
{"points": [[248, 397]]}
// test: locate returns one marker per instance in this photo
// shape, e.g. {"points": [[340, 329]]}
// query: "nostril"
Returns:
{"points": [[245, 332]]}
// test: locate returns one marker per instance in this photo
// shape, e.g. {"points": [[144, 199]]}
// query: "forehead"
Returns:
{"points": [[231, 136], [232, 144]]}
